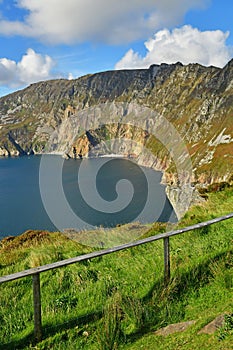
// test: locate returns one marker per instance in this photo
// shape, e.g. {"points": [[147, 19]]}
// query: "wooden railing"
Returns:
{"points": [[35, 272]]}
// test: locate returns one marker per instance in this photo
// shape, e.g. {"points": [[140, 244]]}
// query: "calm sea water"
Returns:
{"points": [[51, 193]]}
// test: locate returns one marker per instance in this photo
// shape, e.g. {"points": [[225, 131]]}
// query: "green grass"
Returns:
{"points": [[119, 300]]}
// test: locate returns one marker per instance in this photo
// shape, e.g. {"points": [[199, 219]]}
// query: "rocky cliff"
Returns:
{"points": [[94, 112]]}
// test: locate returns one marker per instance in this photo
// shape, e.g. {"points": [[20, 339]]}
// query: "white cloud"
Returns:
{"points": [[109, 21], [185, 44], [32, 68], [70, 76]]}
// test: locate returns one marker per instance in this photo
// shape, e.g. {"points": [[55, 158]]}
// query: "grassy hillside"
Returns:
{"points": [[63, 115], [119, 301]]}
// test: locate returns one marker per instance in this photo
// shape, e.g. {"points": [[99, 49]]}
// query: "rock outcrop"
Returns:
{"points": [[79, 116]]}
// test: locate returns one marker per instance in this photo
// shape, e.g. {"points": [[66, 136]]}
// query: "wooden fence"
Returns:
{"points": [[35, 272]]}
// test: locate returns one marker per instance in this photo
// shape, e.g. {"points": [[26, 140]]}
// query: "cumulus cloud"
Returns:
{"points": [[185, 44], [109, 21], [32, 68]]}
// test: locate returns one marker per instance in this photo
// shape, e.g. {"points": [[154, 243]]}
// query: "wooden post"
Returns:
{"points": [[37, 307], [167, 273]]}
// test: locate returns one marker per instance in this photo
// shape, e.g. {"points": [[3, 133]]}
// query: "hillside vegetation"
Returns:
{"points": [[119, 301], [63, 116]]}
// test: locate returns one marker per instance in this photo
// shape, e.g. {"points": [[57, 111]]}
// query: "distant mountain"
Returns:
{"points": [[54, 116]]}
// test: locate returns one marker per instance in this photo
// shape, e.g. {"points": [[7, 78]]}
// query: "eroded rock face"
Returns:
{"points": [[55, 117]]}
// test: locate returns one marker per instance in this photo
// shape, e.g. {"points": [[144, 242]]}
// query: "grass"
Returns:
{"points": [[110, 237], [119, 301]]}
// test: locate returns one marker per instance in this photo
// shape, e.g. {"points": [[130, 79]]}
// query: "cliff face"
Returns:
{"points": [[94, 112]]}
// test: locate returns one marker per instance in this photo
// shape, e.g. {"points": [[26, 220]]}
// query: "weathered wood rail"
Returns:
{"points": [[35, 272]]}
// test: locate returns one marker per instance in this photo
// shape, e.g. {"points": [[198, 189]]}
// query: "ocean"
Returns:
{"points": [[50, 193]]}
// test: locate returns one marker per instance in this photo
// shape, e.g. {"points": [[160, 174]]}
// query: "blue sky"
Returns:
{"points": [[47, 39]]}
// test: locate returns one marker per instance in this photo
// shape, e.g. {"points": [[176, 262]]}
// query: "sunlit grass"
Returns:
{"points": [[119, 300]]}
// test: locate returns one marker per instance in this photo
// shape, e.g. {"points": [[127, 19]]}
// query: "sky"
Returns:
{"points": [[50, 39]]}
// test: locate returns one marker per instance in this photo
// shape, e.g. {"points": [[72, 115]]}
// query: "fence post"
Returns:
{"points": [[166, 260], [37, 307]]}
